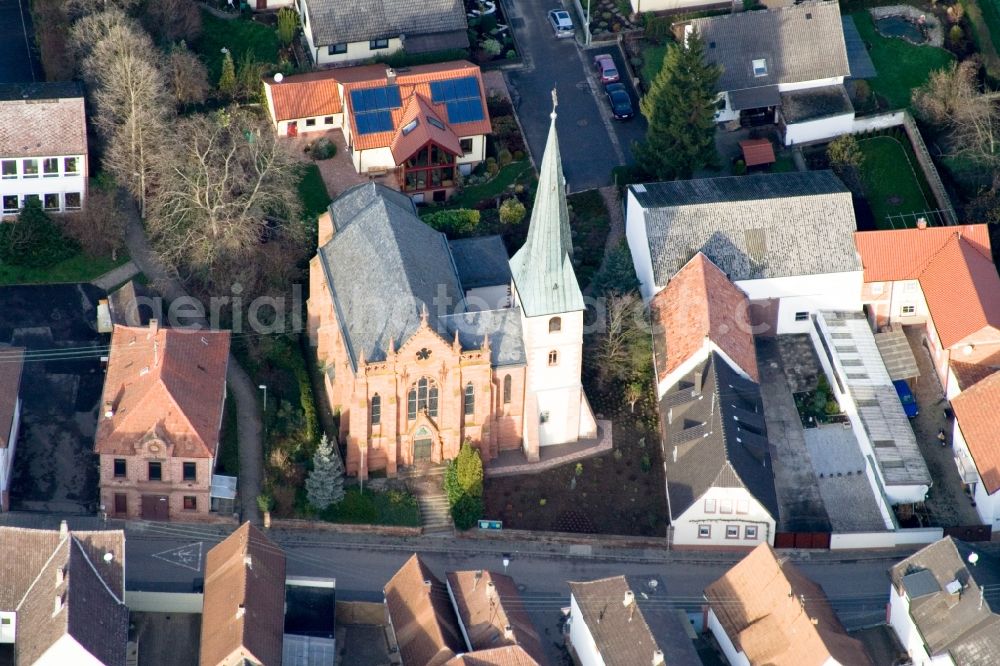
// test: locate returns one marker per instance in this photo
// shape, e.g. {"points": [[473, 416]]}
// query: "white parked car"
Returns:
{"points": [[561, 23]]}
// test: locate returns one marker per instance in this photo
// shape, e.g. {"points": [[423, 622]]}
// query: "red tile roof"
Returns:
{"points": [[701, 303], [759, 604], [955, 269], [418, 110], [11, 362], [421, 615], [757, 152], [510, 655], [968, 374], [977, 410], [244, 606], [49, 121], [170, 381], [305, 95]]}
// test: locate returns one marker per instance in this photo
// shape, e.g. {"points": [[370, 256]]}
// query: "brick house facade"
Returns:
{"points": [[158, 433]]}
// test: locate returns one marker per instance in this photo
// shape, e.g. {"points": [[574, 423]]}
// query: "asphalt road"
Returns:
{"points": [[18, 62], [591, 142]]}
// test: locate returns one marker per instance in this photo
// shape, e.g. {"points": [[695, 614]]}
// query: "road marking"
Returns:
{"points": [[188, 557]]}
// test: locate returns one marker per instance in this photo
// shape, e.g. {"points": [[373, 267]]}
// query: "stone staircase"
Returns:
{"points": [[427, 485]]}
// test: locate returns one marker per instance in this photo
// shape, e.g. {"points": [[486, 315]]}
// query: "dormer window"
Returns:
{"points": [[410, 126], [760, 67]]}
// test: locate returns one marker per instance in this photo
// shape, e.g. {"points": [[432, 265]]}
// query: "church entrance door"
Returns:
{"points": [[422, 450]]}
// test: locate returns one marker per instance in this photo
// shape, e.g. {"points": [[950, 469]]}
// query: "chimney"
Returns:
{"points": [[476, 578], [491, 590], [629, 598], [109, 409], [390, 76], [240, 611], [427, 584], [154, 326], [658, 658], [63, 529], [921, 223], [248, 561], [508, 632]]}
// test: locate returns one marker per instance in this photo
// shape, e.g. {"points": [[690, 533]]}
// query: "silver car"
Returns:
{"points": [[561, 23]]}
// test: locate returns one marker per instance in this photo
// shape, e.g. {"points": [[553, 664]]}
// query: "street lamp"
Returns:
{"points": [[506, 563], [263, 387], [586, 27]]}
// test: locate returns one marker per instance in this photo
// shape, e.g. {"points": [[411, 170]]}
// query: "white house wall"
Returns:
{"points": [[7, 457], [640, 6], [638, 244], [691, 363], [581, 639], [322, 124], [67, 651], [987, 506], [806, 293], [61, 184], [814, 83], [685, 526], [819, 130], [734, 657], [908, 634], [374, 159]]}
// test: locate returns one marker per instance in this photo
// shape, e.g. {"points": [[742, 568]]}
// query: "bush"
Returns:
{"points": [[288, 25], [463, 483], [511, 211], [488, 23], [457, 222], [511, 55], [507, 134], [739, 168], [467, 512], [492, 167], [955, 35], [323, 149], [504, 157], [34, 240], [492, 47]]}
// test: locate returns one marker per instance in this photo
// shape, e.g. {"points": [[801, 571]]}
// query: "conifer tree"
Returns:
{"points": [[325, 483], [227, 79], [680, 109]]}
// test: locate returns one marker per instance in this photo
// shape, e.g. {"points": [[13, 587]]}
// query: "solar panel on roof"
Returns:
{"points": [[465, 110], [461, 98], [375, 99], [371, 122]]}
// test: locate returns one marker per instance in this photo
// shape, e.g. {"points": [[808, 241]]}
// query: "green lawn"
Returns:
{"points": [[391, 507], [652, 62], [783, 163], [901, 66], [472, 195], [312, 192], [78, 268], [239, 36], [984, 15], [891, 180]]}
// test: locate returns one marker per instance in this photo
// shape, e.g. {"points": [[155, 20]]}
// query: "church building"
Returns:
{"points": [[426, 343]]}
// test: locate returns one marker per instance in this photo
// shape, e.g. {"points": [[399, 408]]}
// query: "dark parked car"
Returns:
{"points": [[620, 101], [906, 397], [606, 69]]}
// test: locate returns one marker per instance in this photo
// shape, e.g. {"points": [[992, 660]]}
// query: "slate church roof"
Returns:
{"points": [[752, 227], [345, 21], [804, 42], [385, 267], [714, 436]]}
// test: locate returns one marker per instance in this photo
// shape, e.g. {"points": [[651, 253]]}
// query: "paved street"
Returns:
{"points": [[17, 61], [590, 141]]}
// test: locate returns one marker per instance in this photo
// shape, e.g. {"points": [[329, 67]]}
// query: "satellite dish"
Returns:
{"points": [[108, 557], [973, 558], [279, 77]]}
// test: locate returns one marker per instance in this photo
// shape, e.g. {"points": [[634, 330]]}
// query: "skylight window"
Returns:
{"points": [[434, 121], [410, 126], [760, 67]]}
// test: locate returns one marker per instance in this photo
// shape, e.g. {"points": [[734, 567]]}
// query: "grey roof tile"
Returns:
{"points": [[481, 262], [708, 400], [804, 42], [345, 21], [502, 326], [752, 227]]}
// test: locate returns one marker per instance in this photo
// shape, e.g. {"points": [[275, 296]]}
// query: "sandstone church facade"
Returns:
{"points": [[426, 343]]}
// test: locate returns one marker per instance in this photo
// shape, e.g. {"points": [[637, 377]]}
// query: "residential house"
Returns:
{"points": [[427, 123], [11, 364], [509, 655], [765, 612], [785, 66], [974, 436], [158, 431], [421, 618], [343, 31], [426, 344], [61, 597], [785, 239], [609, 627], [720, 480], [243, 611], [945, 281], [940, 606], [491, 614], [43, 147], [678, 6]]}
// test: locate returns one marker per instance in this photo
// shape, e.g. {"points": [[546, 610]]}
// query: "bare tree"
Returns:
{"points": [[952, 101], [172, 20], [222, 191], [100, 227], [77, 9], [186, 76], [623, 349]]}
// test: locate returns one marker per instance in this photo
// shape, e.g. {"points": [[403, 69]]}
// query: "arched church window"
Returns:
{"points": [[470, 399], [376, 409], [506, 390], [555, 324], [423, 396]]}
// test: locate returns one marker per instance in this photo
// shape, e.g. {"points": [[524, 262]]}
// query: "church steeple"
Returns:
{"points": [[542, 268]]}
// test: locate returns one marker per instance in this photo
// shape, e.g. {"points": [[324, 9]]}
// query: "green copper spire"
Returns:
{"points": [[542, 268]]}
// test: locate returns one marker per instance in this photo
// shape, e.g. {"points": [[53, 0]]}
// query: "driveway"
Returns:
{"points": [[589, 141], [55, 468], [18, 60]]}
